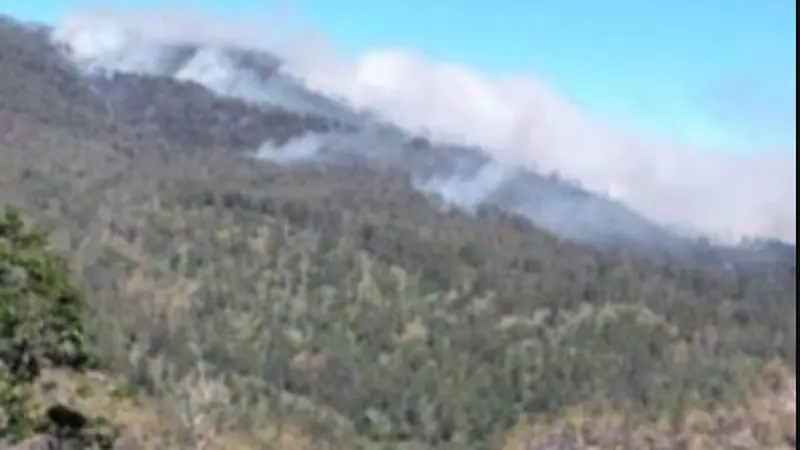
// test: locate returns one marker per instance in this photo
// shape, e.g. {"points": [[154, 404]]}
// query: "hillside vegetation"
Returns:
{"points": [[233, 303]]}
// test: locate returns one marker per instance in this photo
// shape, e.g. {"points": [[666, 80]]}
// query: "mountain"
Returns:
{"points": [[258, 258], [142, 70]]}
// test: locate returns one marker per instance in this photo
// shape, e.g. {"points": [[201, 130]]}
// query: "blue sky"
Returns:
{"points": [[714, 72]]}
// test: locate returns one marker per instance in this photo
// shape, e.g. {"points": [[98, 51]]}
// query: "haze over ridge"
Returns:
{"points": [[519, 120]]}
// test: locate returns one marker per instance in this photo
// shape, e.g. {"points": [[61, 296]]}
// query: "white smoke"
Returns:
{"points": [[469, 192], [296, 150], [519, 119]]}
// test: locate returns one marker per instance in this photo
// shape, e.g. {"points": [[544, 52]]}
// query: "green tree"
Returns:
{"points": [[41, 326]]}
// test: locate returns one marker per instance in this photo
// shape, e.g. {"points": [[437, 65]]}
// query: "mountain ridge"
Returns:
{"points": [[137, 93], [237, 291], [288, 94]]}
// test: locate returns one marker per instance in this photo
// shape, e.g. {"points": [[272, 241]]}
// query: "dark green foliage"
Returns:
{"points": [[41, 326]]}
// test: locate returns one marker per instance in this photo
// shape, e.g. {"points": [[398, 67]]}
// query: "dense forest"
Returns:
{"points": [[216, 301]]}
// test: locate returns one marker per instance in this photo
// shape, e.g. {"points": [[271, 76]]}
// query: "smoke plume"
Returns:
{"points": [[520, 120]]}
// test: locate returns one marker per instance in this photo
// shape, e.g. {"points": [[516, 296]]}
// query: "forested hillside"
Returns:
{"points": [[236, 303]]}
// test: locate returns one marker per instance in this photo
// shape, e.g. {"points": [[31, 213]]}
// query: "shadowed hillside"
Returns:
{"points": [[239, 303]]}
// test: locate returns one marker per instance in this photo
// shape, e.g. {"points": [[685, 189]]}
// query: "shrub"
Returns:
{"points": [[41, 327]]}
